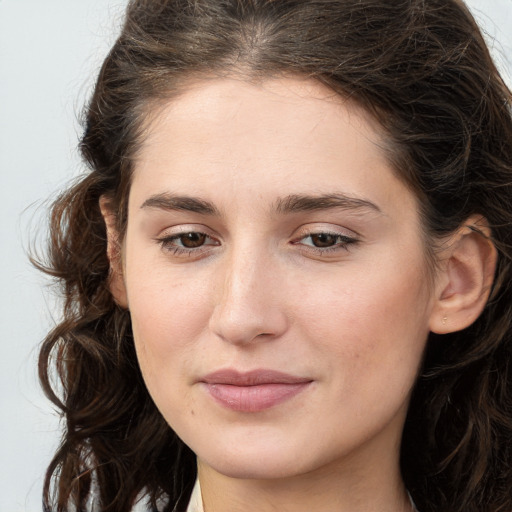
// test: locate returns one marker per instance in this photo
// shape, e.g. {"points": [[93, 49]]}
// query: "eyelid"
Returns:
{"points": [[168, 235], [316, 228], [347, 239], [181, 229], [169, 241]]}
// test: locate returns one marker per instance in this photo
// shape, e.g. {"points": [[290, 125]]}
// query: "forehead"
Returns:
{"points": [[235, 143], [280, 125]]}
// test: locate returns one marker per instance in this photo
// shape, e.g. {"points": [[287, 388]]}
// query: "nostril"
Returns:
{"points": [[238, 326]]}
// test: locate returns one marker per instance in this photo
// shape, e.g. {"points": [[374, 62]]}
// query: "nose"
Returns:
{"points": [[250, 303]]}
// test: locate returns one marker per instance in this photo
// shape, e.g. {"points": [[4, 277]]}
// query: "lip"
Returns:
{"points": [[253, 391]]}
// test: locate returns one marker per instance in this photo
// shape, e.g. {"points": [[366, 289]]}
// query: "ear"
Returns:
{"points": [[465, 279], [116, 279]]}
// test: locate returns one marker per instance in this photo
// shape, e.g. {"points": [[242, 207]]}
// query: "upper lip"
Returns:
{"points": [[252, 378]]}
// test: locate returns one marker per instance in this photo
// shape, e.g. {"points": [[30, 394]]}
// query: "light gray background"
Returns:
{"points": [[50, 52]]}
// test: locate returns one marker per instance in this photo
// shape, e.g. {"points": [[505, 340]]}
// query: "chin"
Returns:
{"points": [[255, 461], [255, 468]]}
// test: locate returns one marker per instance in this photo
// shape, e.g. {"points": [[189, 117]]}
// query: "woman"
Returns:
{"points": [[287, 275]]}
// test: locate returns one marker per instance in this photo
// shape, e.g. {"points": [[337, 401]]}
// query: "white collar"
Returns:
{"points": [[196, 501]]}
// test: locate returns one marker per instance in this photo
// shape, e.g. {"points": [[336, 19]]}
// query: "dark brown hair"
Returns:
{"points": [[421, 67]]}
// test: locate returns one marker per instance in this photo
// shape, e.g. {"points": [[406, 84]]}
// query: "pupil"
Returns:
{"points": [[323, 240], [192, 240]]}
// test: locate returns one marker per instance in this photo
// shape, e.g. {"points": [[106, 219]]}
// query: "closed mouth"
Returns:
{"points": [[253, 391]]}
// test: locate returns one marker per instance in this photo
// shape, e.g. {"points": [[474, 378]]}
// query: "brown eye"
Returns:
{"points": [[324, 239], [192, 240], [187, 243], [325, 242]]}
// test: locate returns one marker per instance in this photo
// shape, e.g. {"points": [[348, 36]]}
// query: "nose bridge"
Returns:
{"points": [[248, 303]]}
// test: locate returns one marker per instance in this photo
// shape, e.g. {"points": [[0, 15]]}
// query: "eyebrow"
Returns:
{"points": [[168, 201], [293, 203], [305, 203]]}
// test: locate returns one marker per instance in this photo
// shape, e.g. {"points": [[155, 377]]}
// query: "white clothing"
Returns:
{"points": [[196, 500]]}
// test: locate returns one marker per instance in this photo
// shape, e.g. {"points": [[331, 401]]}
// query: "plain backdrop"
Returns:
{"points": [[50, 52]]}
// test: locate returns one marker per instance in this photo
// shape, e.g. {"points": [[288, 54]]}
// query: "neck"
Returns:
{"points": [[333, 488]]}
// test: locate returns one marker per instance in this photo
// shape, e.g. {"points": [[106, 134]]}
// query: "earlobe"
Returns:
{"points": [[116, 279], [465, 279]]}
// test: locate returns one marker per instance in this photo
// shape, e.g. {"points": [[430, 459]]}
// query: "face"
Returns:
{"points": [[276, 278]]}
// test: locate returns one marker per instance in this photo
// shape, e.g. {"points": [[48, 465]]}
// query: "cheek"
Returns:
{"points": [[168, 314], [373, 322]]}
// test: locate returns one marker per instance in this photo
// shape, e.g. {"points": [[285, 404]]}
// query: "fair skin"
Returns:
{"points": [[266, 233]]}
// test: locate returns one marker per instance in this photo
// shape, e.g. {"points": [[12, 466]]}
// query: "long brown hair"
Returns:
{"points": [[421, 67]]}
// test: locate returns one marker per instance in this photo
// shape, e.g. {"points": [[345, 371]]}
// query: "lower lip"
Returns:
{"points": [[254, 398]]}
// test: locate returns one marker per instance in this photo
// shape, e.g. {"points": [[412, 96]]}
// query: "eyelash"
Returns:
{"points": [[343, 242], [168, 241]]}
